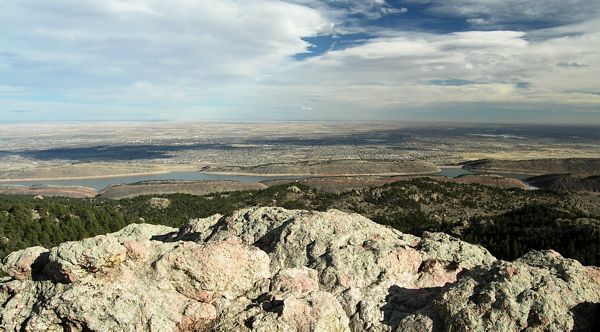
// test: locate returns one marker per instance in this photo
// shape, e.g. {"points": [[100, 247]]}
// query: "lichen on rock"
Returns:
{"points": [[271, 269]]}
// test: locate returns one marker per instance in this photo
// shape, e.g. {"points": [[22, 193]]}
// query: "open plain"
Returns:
{"points": [[88, 150]]}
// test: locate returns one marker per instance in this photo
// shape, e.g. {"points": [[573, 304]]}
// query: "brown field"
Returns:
{"points": [[51, 191]]}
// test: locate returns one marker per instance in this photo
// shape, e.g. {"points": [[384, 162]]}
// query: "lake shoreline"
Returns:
{"points": [[102, 182], [316, 175], [90, 177]]}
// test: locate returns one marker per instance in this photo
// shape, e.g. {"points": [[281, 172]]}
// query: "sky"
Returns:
{"points": [[267, 60]]}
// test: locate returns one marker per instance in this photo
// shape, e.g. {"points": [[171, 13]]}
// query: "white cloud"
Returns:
{"points": [[393, 11], [503, 65], [349, 15], [188, 58], [154, 40]]}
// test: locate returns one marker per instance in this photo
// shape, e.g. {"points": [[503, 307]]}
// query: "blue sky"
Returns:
{"points": [[461, 60]]}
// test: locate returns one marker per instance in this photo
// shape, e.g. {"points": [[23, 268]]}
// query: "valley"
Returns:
{"points": [[353, 226]]}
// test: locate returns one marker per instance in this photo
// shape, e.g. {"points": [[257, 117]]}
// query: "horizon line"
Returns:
{"points": [[379, 121]]}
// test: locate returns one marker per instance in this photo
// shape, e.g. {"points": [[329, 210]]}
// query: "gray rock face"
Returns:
{"points": [[271, 269], [540, 291]]}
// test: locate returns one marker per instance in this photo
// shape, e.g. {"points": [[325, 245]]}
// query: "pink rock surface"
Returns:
{"points": [[271, 269]]}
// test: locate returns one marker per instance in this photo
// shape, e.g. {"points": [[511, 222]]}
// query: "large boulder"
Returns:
{"points": [[357, 260], [271, 269], [541, 291], [22, 264]]}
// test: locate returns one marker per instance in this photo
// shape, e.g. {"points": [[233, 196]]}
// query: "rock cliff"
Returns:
{"points": [[271, 269]]}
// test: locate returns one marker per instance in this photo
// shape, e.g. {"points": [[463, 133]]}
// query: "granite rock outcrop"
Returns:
{"points": [[271, 269]]}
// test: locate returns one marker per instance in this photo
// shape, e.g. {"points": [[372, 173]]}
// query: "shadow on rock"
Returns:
{"points": [[403, 302], [586, 317], [271, 239], [169, 237], [37, 268]]}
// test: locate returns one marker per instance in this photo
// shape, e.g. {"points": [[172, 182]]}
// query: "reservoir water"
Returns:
{"points": [[102, 183]]}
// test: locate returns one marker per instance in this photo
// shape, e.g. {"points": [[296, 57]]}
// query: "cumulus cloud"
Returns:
{"points": [[473, 66], [152, 40]]}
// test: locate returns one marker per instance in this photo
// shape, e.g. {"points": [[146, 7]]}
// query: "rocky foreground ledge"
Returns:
{"points": [[271, 269]]}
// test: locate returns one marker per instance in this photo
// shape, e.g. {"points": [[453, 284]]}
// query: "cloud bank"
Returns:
{"points": [[231, 60]]}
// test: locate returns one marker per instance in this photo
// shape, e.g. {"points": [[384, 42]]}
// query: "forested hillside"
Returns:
{"points": [[508, 222], [566, 182]]}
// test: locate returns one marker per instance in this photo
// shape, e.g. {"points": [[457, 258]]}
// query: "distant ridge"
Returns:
{"points": [[566, 182], [51, 191], [162, 187], [340, 167], [589, 166]]}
